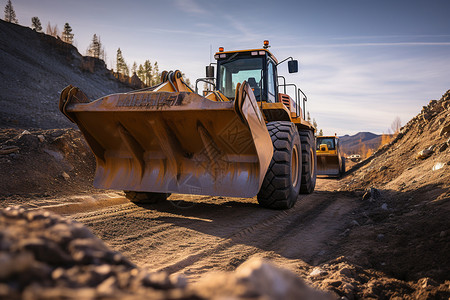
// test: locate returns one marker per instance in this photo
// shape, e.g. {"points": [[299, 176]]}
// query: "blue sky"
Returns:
{"points": [[362, 63]]}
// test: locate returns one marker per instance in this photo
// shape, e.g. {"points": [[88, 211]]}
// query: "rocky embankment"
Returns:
{"points": [[35, 68]]}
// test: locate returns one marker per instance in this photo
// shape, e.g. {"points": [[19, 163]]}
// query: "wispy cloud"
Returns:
{"points": [[190, 6], [375, 37], [350, 92], [381, 44]]}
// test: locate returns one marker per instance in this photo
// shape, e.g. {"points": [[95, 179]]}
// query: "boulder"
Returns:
{"points": [[424, 154], [257, 279]]}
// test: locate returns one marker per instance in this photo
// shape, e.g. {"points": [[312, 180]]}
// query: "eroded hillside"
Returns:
{"points": [[34, 68]]}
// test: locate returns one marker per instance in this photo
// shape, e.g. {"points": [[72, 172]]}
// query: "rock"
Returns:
{"points": [[438, 166], [444, 130], [345, 233], [345, 271], [8, 150], [65, 176], [371, 194], [44, 250], [317, 272], [446, 105], [426, 282], [355, 223], [108, 286], [443, 147], [257, 279], [178, 280], [380, 237], [41, 138], [442, 234], [25, 132], [424, 154], [384, 206], [426, 116], [382, 168]]}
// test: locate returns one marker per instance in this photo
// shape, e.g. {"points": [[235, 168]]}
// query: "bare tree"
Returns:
{"points": [[396, 125], [67, 35], [36, 24], [53, 31], [10, 14]]}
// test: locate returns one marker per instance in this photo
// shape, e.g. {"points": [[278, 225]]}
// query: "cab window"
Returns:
{"points": [[271, 82], [238, 70], [327, 141]]}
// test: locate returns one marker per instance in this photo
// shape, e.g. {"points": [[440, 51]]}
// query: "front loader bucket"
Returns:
{"points": [[328, 165], [174, 142]]}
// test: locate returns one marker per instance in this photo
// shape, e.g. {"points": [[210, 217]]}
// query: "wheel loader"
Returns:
{"points": [[330, 161], [243, 137]]}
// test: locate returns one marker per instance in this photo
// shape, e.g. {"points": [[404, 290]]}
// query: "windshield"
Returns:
{"points": [[327, 141], [234, 71]]}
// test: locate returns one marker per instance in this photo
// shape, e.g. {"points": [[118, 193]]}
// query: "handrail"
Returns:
{"points": [[284, 83], [305, 98], [296, 98], [205, 79], [299, 95]]}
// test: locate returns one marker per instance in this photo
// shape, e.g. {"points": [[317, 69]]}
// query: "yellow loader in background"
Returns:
{"points": [[330, 160], [241, 138]]}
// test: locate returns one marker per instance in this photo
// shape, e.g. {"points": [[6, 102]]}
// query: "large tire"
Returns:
{"points": [[145, 197], [281, 185], [309, 161], [343, 166]]}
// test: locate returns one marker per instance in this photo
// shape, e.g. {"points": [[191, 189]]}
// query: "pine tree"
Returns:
{"points": [[148, 73], [320, 132], [141, 73], [67, 35], [156, 77], [10, 14], [134, 68], [96, 49], [36, 24], [121, 65]]}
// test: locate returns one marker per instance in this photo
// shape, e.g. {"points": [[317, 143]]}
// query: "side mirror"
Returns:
{"points": [[209, 71], [293, 66]]}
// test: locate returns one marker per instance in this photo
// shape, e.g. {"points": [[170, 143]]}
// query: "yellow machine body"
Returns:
{"points": [[169, 139], [329, 159]]}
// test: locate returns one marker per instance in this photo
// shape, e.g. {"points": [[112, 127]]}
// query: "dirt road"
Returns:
{"points": [[196, 234]]}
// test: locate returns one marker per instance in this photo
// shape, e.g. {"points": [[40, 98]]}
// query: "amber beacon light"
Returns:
{"points": [[266, 44]]}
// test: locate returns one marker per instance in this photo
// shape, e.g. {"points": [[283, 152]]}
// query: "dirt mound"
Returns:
{"points": [[34, 68], [401, 226], [44, 163], [44, 256]]}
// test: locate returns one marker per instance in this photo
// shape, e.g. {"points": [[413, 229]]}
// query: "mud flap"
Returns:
{"points": [[174, 142]]}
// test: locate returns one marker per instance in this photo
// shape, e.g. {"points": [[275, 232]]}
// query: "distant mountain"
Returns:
{"points": [[360, 142]]}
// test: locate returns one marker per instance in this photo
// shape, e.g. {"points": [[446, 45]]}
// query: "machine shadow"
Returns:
{"points": [[405, 230]]}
